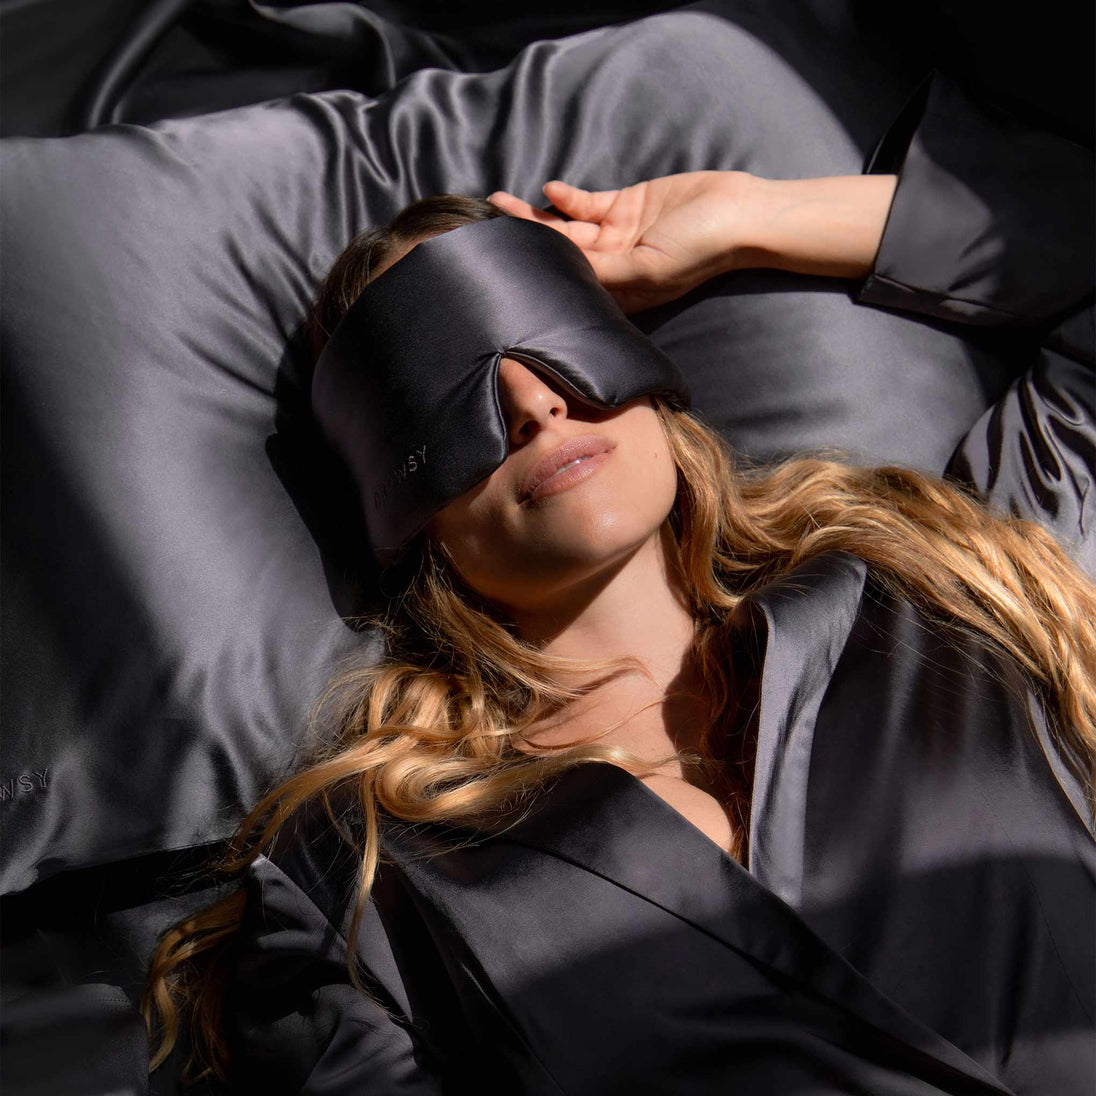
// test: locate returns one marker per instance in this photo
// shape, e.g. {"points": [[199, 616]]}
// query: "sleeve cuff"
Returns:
{"points": [[992, 220]]}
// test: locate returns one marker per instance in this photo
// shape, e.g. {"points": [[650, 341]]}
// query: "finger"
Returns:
{"points": [[513, 205], [620, 230], [585, 205], [579, 232]]}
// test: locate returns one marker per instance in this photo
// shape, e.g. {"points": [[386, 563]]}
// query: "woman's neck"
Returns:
{"points": [[638, 610]]}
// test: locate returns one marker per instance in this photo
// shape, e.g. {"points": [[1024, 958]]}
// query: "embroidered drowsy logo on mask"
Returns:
{"points": [[411, 463]]}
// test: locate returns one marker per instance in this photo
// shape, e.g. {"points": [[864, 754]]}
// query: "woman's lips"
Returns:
{"points": [[569, 476], [568, 464]]}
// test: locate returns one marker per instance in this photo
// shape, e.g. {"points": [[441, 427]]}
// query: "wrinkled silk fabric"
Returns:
{"points": [[918, 910], [167, 500], [177, 548], [970, 237], [176, 556], [917, 913]]}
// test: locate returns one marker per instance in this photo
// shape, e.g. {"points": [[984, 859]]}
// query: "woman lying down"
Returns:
{"points": [[675, 778]]}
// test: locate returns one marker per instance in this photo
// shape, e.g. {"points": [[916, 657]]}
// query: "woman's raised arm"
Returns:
{"points": [[965, 213], [654, 241]]}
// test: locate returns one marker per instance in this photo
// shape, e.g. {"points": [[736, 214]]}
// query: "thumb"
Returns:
{"points": [[614, 269], [627, 283]]}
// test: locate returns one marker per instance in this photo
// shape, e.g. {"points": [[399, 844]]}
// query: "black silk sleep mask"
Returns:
{"points": [[406, 391]]}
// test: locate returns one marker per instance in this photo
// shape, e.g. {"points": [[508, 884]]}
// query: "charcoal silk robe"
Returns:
{"points": [[917, 912]]}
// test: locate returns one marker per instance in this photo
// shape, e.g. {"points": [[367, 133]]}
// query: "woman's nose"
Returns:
{"points": [[528, 401]]}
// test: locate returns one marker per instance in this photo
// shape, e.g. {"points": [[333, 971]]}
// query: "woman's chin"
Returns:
{"points": [[547, 573]]}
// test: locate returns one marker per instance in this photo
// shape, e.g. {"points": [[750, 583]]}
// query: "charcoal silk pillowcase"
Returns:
{"points": [[177, 553]]}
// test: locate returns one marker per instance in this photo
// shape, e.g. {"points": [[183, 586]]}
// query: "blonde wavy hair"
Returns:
{"points": [[435, 731]]}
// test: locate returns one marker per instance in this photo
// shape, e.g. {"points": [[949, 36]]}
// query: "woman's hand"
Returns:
{"points": [[654, 241]]}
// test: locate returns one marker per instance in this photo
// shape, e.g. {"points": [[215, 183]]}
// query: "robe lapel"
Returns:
{"points": [[603, 819], [807, 617]]}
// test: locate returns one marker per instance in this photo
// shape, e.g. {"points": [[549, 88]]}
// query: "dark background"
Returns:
{"points": [[68, 64]]}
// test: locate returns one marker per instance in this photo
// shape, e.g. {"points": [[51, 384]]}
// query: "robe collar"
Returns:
{"points": [[607, 821]]}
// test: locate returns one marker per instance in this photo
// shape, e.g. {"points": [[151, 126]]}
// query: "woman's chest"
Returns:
{"points": [[702, 808]]}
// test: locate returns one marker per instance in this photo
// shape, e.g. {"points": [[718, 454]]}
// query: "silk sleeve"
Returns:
{"points": [[294, 1021], [992, 226]]}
